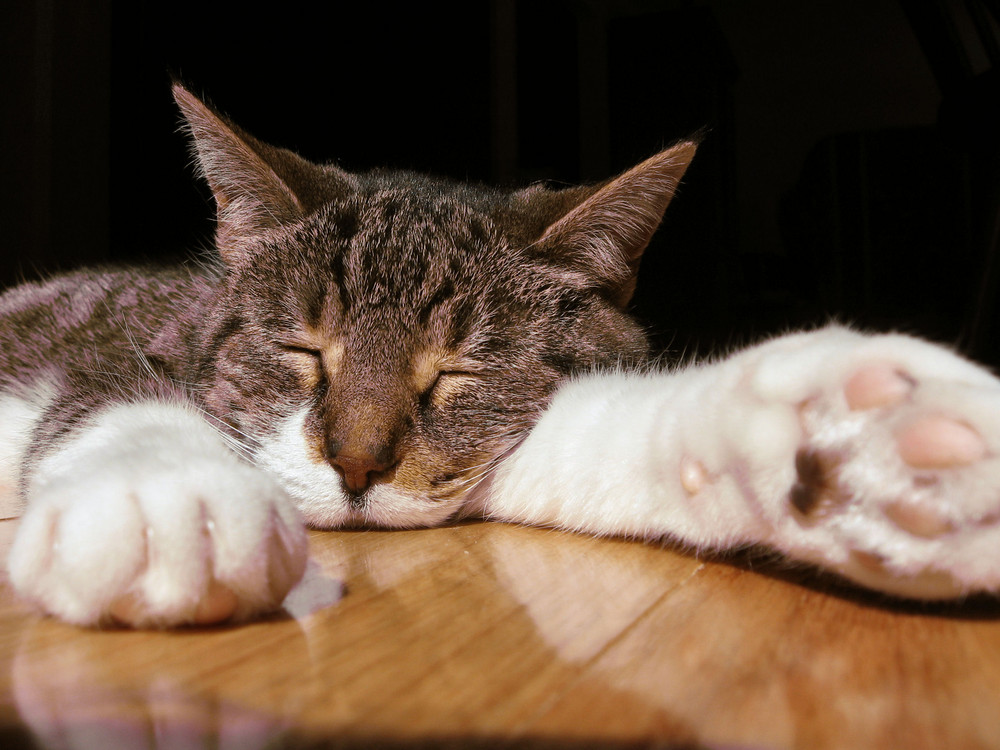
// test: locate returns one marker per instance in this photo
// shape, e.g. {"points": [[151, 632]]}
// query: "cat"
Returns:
{"points": [[396, 350]]}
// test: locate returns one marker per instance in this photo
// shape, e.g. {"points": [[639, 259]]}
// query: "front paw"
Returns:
{"points": [[897, 477], [159, 541]]}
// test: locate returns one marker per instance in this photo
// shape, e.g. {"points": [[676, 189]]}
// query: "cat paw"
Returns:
{"points": [[180, 533], [897, 476]]}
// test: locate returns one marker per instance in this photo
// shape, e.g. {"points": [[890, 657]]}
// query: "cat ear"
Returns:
{"points": [[604, 235], [256, 186]]}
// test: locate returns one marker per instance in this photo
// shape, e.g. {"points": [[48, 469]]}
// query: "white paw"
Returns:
{"points": [[896, 482], [153, 522]]}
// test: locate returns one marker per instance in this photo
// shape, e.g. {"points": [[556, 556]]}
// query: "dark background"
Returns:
{"points": [[850, 168]]}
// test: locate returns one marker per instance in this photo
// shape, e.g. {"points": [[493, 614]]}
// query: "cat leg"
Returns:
{"points": [[145, 516], [873, 456], [20, 410]]}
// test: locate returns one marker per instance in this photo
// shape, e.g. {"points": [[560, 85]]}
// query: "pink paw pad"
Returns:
{"points": [[918, 520], [938, 442], [876, 386]]}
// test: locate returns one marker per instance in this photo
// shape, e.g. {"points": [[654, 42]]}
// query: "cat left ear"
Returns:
{"points": [[256, 186], [605, 234]]}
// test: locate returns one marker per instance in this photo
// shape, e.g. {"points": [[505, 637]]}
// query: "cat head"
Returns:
{"points": [[381, 340]]}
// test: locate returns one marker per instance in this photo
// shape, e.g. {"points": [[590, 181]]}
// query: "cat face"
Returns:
{"points": [[380, 341]]}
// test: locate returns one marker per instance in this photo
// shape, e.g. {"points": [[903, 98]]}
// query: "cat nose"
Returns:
{"points": [[358, 471]]}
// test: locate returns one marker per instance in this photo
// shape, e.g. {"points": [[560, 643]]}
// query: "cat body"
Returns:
{"points": [[393, 350]]}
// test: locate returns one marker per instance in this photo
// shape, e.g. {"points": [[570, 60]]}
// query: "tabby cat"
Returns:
{"points": [[390, 349]]}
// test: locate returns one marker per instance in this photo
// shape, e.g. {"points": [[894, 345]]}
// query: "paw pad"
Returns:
{"points": [[876, 386], [936, 442], [869, 560], [918, 520]]}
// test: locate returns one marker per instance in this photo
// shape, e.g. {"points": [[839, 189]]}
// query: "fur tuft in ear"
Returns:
{"points": [[256, 186], [605, 234]]}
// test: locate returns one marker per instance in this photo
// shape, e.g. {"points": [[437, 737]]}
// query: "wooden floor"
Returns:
{"points": [[488, 635]]}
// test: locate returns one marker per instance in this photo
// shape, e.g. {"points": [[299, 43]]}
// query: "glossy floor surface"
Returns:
{"points": [[486, 635]]}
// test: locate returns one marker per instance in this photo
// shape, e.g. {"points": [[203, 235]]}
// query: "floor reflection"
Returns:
{"points": [[581, 595], [468, 629], [663, 635], [72, 696], [319, 589], [499, 634]]}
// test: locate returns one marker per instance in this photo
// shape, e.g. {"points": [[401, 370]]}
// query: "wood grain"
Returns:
{"points": [[499, 636]]}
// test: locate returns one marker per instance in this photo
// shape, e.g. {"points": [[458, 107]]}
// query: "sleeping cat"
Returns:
{"points": [[389, 349]]}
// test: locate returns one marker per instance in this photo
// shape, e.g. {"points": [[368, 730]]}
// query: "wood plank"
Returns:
{"points": [[495, 635]]}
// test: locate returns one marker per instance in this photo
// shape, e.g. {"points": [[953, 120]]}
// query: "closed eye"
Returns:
{"points": [[308, 362], [301, 350], [446, 384]]}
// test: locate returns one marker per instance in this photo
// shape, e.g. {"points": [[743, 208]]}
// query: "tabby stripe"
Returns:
{"points": [[445, 292], [337, 268]]}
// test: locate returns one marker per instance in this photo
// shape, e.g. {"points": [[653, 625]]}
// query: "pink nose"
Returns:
{"points": [[357, 472]]}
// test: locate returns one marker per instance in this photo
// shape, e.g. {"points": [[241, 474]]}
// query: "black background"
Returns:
{"points": [[849, 168]]}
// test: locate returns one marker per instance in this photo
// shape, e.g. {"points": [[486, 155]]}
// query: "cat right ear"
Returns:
{"points": [[601, 238], [256, 186]]}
